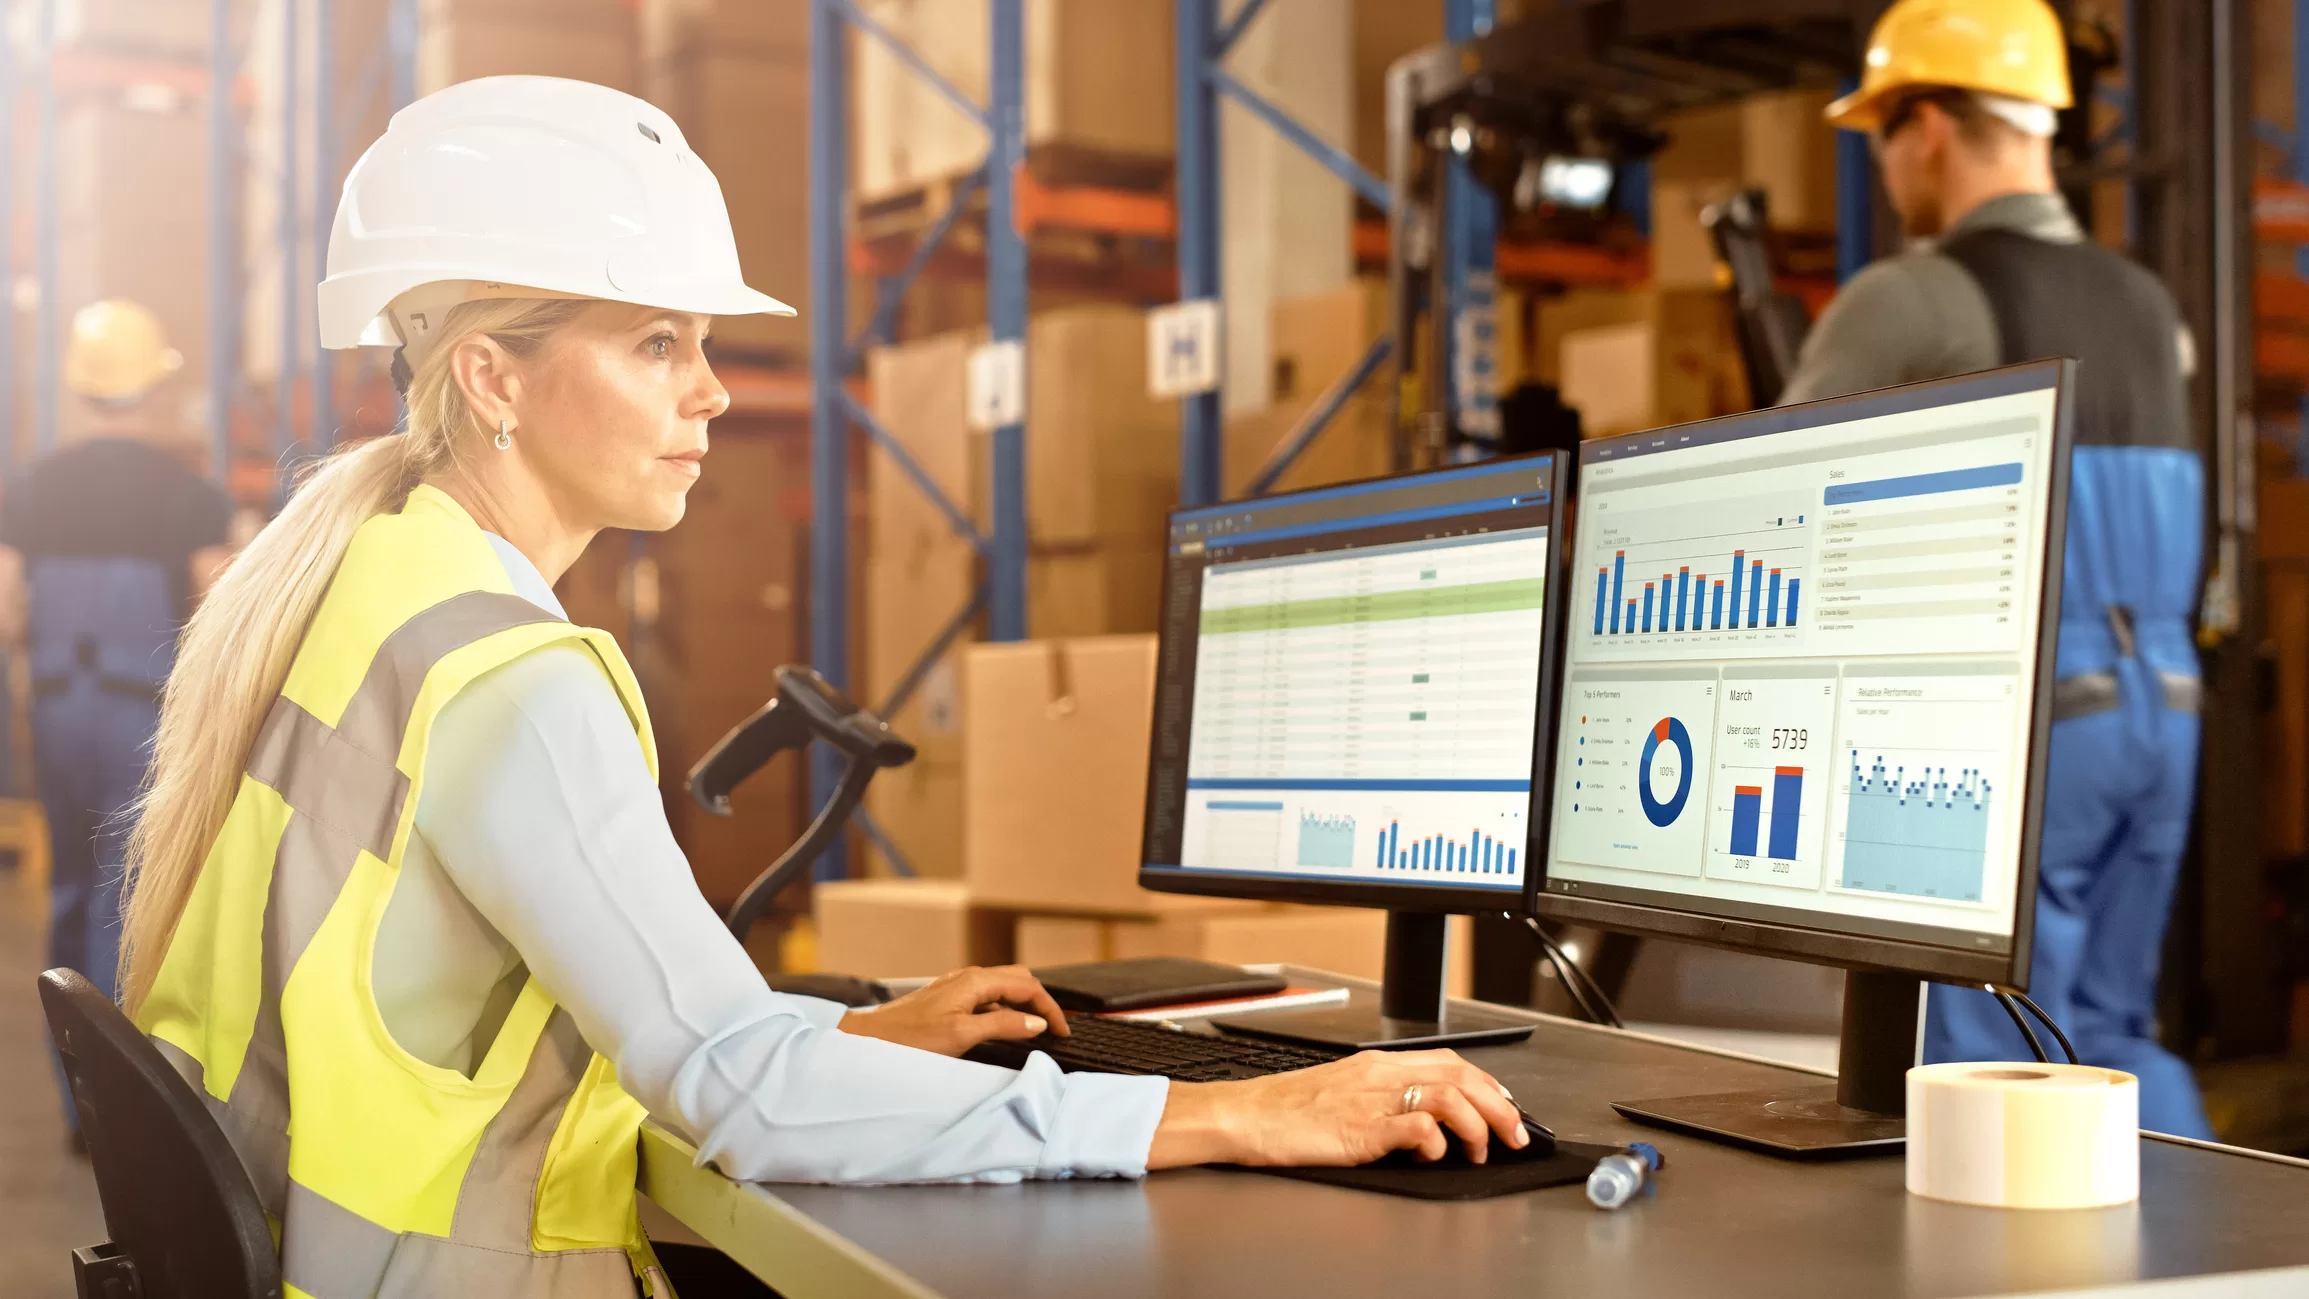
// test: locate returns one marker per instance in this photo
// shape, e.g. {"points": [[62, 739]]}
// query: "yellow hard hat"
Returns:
{"points": [[2000, 47], [118, 351]]}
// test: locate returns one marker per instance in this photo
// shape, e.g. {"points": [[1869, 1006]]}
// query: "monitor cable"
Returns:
{"points": [[2066, 1047], [1576, 981], [2004, 999]]}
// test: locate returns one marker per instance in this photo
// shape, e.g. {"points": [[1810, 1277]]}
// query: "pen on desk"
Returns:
{"points": [[1618, 1176]]}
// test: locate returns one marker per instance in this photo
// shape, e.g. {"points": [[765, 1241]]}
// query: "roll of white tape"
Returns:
{"points": [[2024, 1136]]}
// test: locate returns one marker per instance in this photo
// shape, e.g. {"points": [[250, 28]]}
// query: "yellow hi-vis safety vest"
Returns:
{"points": [[387, 1175]]}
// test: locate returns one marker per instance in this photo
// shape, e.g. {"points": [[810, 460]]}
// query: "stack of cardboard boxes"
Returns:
{"points": [[1102, 472], [1097, 92]]}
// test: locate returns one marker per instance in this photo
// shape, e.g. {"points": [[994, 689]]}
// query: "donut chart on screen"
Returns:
{"points": [[1671, 731]]}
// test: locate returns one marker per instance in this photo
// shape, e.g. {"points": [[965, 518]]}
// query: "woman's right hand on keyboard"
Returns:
{"points": [[1343, 1113]]}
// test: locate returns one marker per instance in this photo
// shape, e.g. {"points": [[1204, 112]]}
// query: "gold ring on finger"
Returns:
{"points": [[1411, 1096]]}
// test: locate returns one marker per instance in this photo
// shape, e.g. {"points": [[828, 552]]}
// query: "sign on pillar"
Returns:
{"points": [[996, 387], [1182, 342]]}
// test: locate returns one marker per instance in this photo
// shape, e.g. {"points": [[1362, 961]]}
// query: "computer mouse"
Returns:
{"points": [[1541, 1146]]}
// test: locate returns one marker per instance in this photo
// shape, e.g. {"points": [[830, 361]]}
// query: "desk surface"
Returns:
{"points": [[1725, 1222]]}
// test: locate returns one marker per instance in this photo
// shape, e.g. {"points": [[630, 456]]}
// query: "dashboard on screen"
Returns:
{"points": [[1350, 686], [1801, 664]]}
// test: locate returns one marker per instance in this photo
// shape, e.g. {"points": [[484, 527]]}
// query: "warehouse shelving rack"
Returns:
{"points": [[1015, 202]]}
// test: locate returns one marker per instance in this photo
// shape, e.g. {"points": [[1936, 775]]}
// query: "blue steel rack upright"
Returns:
{"points": [[1199, 64], [834, 354]]}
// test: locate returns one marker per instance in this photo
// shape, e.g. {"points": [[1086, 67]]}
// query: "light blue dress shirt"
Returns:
{"points": [[541, 842]]}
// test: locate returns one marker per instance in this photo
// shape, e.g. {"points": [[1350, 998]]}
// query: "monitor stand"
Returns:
{"points": [[1863, 1112], [1412, 1011]]}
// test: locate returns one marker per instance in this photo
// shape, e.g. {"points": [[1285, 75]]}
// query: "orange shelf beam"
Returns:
{"points": [[2281, 211]]}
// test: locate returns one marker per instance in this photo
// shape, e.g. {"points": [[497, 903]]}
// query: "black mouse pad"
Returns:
{"points": [[1402, 1174]]}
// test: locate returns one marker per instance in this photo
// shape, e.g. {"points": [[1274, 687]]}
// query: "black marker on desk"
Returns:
{"points": [[1617, 1177]]}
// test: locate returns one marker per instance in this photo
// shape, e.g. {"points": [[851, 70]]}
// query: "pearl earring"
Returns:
{"points": [[504, 437]]}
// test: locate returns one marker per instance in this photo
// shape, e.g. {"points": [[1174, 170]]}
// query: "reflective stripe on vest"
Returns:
{"points": [[514, 1180]]}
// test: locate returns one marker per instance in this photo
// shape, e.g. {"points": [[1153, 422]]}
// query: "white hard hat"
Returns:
{"points": [[526, 187]]}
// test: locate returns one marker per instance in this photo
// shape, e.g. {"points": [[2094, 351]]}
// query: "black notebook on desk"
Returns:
{"points": [[1096, 987]]}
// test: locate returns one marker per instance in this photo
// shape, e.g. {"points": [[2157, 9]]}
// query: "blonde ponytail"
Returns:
{"points": [[236, 650]]}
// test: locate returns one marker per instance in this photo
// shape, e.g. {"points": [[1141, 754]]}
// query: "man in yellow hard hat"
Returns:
{"points": [[103, 546], [1960, 98]]}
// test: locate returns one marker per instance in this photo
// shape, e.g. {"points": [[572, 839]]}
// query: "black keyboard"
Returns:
{"points": [[1100, 1045]]}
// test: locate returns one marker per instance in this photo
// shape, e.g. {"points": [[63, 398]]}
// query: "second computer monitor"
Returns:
{"points": [[1804, 701], [1350, 698]]}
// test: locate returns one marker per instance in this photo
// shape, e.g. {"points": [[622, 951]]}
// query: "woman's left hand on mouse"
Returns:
{"points": [[962, 1009]]}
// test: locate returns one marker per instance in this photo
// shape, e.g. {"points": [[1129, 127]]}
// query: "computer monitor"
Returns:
{"points": [[1805, 700], [1350, 708]]}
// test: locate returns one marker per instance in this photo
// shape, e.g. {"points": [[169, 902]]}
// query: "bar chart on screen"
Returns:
{"points": [[1670, 581], [1769, 797]]}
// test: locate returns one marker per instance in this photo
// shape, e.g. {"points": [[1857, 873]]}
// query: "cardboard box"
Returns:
{"points": [[171, 28], [919, 806], [1094, 592], [1777, 141], [1055, 773], [1705, 144], [1678, 360], [746, 112], [1576, 309], [1098, 82], [1789, 150], [1359, 442], [1318, 339], [904, 929], [746, 29], [1063, 940], [1683, 251], [1102, 456], [594, 13], [487, 45]]}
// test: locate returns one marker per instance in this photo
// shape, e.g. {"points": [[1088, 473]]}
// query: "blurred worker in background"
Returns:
{"points": [[1959, 97], [103, 547]]}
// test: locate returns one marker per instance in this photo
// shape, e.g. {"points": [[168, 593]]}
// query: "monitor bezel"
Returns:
{"points": [[1866, 951], [1394, 897]]}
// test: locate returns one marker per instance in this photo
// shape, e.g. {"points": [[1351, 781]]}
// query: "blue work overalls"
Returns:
{"points": [[2123, 766], [102, 636]]}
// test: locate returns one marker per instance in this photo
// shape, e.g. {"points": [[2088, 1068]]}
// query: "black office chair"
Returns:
{"points": [[183, 1216]]}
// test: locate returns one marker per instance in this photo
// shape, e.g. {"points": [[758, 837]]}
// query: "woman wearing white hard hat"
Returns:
{"points": [[403, 873]]}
